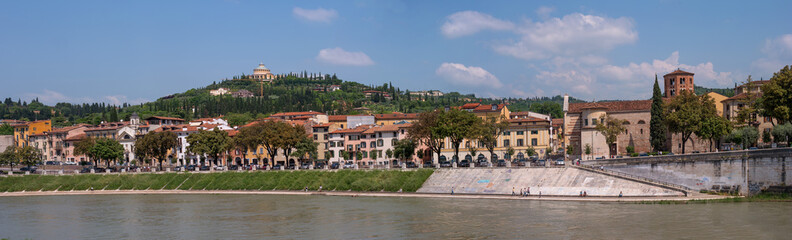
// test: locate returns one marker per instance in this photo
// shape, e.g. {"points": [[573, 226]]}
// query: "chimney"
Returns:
{"points": [[566, 102]]}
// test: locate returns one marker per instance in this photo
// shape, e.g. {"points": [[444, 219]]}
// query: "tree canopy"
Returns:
{"points": [[211, 143], [156, 145], [776, 100]]}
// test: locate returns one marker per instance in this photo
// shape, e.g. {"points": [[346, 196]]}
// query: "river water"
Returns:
{"points": [[334, 217]]}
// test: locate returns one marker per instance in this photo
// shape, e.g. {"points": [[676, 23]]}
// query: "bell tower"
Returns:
{"points": [[677, 81]]}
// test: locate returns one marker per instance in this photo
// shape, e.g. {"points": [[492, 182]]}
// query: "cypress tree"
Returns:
{"points": [[657, 128]]}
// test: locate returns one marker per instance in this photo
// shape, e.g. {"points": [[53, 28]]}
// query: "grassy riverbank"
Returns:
{"points": [[342, 180]]}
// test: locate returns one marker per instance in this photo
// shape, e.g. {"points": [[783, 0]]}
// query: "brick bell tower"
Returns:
{"points": [[677, 81]]}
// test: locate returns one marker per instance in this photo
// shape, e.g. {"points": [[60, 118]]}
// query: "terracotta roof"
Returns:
{"points": [[469, 105], [358, 129], [77, 137], [678, 72], [232, 132], [67, 129], [295, 113], [108, 126], [337, 118], [301, 118], [322, 125], [165, 118], [387, 128], [396, 116], [558, 121], [488, 108], [616, 106], [528, 119]]}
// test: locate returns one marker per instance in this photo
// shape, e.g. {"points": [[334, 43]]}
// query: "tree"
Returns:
{"points": [[404, 149], [610, 127], [570, 149], [28, 155], [6, 129], [211, 143], [776, 101], [510, 152], [587, 149], [307, 147], [455, 125], [530, 151], [712, 127], [422, 132], [288, 138], [685, 112], [749, 100], [488, 132], [389, 153], [157, 145], [657, 127], [84, 147], [472, 149], [8, 157], [747, 136], [107, 149], [782, 132]]}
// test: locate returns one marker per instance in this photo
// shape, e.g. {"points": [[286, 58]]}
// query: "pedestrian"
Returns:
{"points": [[581, 194], [585, 194], [306, 189], [512, 191], [540, 194], [521, 192], [620, 193], [452, 190], [320, 188], [528, 191]]}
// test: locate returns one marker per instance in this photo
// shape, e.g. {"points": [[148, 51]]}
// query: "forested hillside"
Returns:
{"points": [[293, 92]]}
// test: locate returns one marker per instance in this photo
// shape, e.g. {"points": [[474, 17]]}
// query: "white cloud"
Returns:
{"points": [[777, 54], [315, 15], [470, 22], [469, 76], [544, 11], [339, 56], [571, 35]]}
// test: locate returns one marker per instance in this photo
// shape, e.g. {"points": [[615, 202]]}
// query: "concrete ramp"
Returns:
{"points": [[549, 181]]}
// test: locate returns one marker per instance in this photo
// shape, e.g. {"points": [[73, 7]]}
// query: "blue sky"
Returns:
{"points": [[136, 51]]}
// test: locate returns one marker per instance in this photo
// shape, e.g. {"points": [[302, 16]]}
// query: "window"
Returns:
{"points": [[316, 137], [641, 130], [393, 142], [325, 137], [533, 142], [506, 142], [585, 122], [520, 142], [535, 132], [363, 144], [593, 121], [341, 144], [373, 144], [379, 143], [519, 133], [506, 133]]}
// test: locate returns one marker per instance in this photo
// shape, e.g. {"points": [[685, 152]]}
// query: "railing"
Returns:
{"points": [[631, 176]]}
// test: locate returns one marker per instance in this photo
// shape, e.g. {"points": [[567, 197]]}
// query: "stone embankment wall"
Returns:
{"points": [[751, 170], [549, 181]]}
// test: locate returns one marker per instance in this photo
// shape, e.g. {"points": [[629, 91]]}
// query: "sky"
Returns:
{"points": [[137, 51]]}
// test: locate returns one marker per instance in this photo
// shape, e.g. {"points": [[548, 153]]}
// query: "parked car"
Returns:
{"points": [[349, 165], [72, 163], [445, 164], [428, 164], [463, 163], [319, 166], [233, 167], [501, 163], [178, 168], [305, 166], [277, 167], [219, 168], [290, 167], [31, 169], [334, 165], [191, 167], [411, 165], [482, 163], [56, 163], [204, 168], [519, 162], [752, 148], [559, 162]]}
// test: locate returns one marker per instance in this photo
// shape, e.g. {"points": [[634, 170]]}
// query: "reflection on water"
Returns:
{"points": [[328, 217]]}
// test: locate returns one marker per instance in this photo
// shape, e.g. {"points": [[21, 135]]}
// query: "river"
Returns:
{"points": [[334, 217]]}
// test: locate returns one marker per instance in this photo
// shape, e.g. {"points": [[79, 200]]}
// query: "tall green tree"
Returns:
{"points": [[8, 157], [307, 148], [404, 149], [28, 155], [84, 147], [211, 143], [776, 101], [488, 132], [657, 127], [108, 149], [455, 124], [685, 113], [713, 127], [288, 138], [6, 129], [782, 132], [610, 127], [157, 145], [422, 131]]}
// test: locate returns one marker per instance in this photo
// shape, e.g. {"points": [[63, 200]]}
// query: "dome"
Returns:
{"points": [[262, 67]]}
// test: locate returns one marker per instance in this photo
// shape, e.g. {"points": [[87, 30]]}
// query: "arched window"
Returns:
{"points": [[626, 122], [468, 157], [641, 122], [442, 158]]}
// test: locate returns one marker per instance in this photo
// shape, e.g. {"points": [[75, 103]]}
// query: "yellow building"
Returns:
{"points": [[393, 118], [22, 131], [718, 99]]}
